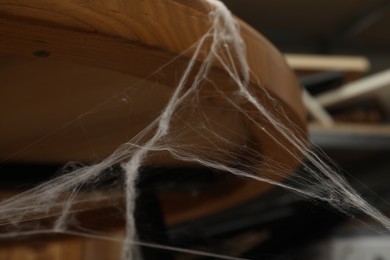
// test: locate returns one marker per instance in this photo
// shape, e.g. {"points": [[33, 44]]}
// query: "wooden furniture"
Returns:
{"points": [[79, 78]]}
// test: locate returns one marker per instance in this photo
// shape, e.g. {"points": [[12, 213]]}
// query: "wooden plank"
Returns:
{"points": [[308, 62], [357, 89], [73, 48], [127, 41], [317, 111]]}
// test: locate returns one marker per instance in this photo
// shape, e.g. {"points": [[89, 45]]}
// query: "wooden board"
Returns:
{"points": [[79, 78], [105, 36], [349, 64]]}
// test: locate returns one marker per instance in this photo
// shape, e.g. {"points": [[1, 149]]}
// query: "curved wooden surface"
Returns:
{"points": [[66, 67]]}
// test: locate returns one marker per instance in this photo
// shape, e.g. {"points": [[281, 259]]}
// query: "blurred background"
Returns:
{"points": [[341, 53]]}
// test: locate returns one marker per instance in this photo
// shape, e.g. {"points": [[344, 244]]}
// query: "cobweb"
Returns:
{"points": [[52, 207]]}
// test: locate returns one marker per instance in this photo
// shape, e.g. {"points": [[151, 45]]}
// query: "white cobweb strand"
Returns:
{"points": [[220, 14], [59, 196], [344, 195], [225, 31]]}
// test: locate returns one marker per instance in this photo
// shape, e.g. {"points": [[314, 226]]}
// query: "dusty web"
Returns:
{"points": [[189, 111]]}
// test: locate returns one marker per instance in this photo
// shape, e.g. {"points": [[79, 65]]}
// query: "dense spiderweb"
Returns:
{"points": [[60, 197]]}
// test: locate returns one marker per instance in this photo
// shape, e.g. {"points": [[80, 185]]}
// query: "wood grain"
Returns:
{"points": [[64, 61], [131, 37]]}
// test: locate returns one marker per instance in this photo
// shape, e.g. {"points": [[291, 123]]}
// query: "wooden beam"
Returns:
{"points": [[356, 89], [321, 62], [316, 110]]}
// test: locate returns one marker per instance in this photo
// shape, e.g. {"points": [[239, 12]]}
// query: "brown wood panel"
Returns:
{"points": [[54, 52]]}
